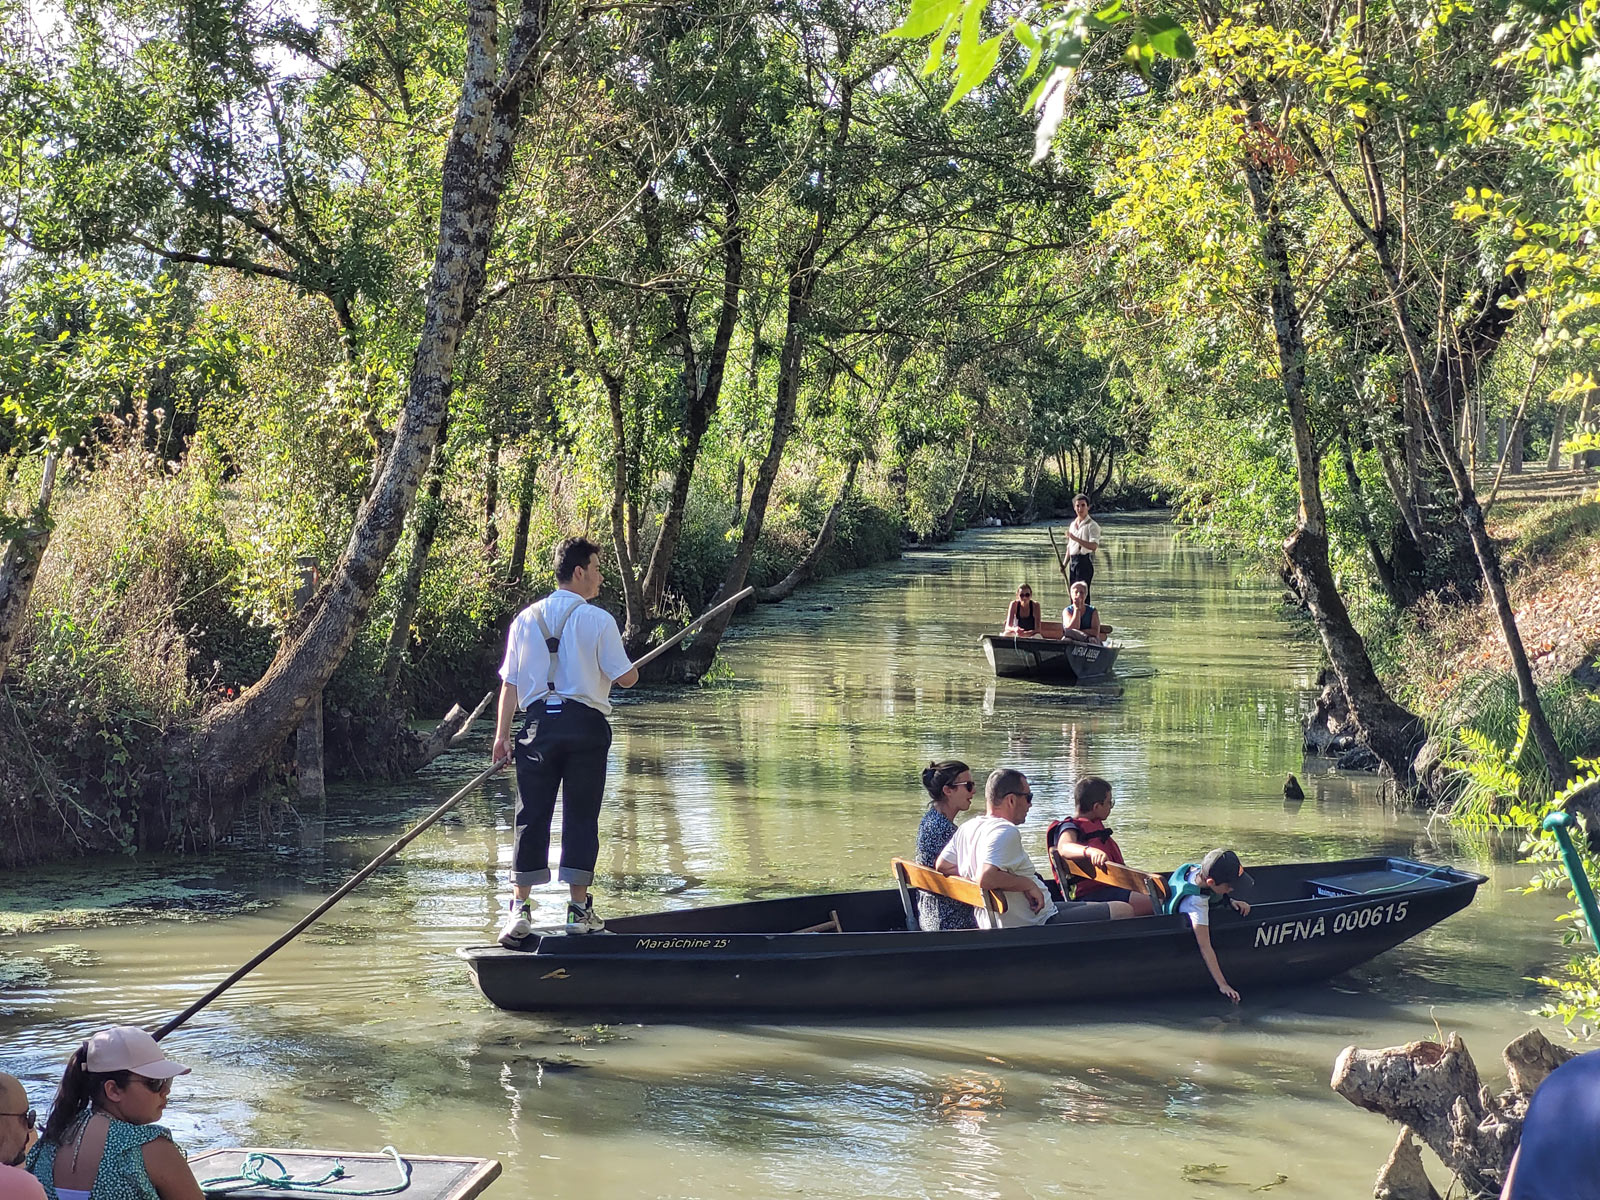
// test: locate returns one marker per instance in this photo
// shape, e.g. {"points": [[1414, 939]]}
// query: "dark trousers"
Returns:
{"points": [[562, 749], [1081, 566]]}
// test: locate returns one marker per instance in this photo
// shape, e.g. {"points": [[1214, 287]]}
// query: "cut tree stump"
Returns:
{"points": [[1434, 1092]]}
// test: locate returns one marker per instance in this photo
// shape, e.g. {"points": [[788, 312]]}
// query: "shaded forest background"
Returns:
{"points": [[410, 291]]}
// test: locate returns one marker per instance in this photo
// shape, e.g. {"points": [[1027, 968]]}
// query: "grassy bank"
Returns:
{"points": [[1449, 662]]}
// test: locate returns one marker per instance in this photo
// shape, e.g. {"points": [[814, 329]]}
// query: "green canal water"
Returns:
{"points": [[799, 772]]}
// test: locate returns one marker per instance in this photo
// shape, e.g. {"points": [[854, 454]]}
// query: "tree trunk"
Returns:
{"points": [[1582, 460], [634, 613], [21, 565], [235, 741], [428, 514], [1380, 562], [1434, 1090], [803, 570], [1386, 728], [1401, 494], [702, 389], [1454, 373], [947, 519], [633, 602], [1552, 460], [519, 537], [491, 500], [802, 275]]}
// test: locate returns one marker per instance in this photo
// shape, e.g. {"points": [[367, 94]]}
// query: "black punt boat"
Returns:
{"points": [[1307, 921], [1047, 658]]}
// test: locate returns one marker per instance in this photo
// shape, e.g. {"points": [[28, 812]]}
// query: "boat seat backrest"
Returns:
{"points": [[1114, 874], [910, 876]]}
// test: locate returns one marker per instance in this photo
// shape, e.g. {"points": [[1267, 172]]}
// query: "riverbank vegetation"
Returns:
{"points": [[320, 329]]}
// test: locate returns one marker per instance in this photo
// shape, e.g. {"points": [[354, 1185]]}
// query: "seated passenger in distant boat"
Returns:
{"points": [[1079, 620], [1022, 618], [1087, 838]]}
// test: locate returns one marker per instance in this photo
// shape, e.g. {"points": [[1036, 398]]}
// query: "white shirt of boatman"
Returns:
{"points": [[984, 840], [1089, 530], [590, 657]]}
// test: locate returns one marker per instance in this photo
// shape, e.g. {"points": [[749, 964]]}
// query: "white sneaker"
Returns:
{"points": [[518, 926], [583, 920]]}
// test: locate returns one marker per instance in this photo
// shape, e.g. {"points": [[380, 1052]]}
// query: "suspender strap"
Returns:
{"points": [[552, 644]]}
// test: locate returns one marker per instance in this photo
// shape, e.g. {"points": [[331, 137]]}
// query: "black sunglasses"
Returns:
{"points": [[29, 1118], [964, 783], [159, 1086], [1028, 796]]}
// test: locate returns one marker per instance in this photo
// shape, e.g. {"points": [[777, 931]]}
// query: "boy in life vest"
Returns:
{"points": [[1194, 890], [1087, 839]]}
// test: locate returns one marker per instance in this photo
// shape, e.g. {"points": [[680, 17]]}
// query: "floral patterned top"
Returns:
{"points": [[121, 1175], [937, 912]]}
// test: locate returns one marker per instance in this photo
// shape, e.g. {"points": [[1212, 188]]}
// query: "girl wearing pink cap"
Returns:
{"points": [[102, 1139]]}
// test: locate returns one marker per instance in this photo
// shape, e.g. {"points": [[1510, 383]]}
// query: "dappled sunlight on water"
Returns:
{"points": [[801, 774]]}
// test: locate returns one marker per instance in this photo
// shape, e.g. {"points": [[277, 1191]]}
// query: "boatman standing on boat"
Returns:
{"points": [[1083, 537], [562, 656]]}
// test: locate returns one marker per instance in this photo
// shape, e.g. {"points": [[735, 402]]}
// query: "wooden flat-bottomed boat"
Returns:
{"points": [[1048, 658], [1307, 921]]}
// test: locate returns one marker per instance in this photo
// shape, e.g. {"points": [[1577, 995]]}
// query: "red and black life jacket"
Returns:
{"points": [[1090, 833]]}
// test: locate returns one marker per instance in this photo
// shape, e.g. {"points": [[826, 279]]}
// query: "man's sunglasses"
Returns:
{"points": [[1028, 796], [29, 1118]]}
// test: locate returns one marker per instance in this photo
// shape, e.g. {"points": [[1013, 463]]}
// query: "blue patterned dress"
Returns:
{"points": [[935, 912]]}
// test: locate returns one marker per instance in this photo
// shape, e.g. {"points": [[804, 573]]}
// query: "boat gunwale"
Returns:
{"points": [[1438, 880]]}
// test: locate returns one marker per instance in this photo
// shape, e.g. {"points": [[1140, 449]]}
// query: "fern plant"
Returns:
{"points": [[1493, 797]]}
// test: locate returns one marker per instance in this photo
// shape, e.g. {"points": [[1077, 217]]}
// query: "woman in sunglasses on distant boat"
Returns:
{"points": [[102, 1139], [949, 786], [1022, 618]]}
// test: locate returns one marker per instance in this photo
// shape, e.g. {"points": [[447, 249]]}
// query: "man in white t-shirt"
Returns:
{"points": [[988, 851], [1083, 539], [562, 656]]}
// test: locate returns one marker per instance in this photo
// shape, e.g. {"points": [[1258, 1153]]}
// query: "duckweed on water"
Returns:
{"points": [[87, 898]]}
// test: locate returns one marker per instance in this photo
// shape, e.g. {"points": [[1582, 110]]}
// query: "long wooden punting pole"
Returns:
{"points": [[405, 840], [1061, 559]]}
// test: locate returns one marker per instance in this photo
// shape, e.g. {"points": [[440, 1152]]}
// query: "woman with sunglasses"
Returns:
{"points": [[1022, 618], [102, 1140], [949, 786]]}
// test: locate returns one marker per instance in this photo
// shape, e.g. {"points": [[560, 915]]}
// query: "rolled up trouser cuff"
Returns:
{"points": [[530, 878], [574, 875]]}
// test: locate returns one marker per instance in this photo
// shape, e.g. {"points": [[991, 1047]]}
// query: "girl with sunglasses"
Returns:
{"points": [[949, 786], [102, 1140], [1022, 618]]}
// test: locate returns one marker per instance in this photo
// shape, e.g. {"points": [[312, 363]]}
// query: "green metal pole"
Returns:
{"points": [[1559, 823]]}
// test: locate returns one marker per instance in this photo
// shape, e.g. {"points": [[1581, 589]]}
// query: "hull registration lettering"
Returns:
{"points": [[1350, 921]]}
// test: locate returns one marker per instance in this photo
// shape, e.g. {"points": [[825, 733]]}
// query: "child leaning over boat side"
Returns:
{"points": [[1194, 890]]}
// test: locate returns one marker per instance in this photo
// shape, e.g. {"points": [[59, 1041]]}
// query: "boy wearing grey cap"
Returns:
{"points": [[1195, 888]]}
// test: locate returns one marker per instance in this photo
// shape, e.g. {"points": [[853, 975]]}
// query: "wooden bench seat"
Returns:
{"points": [[912, 877], [1052, 630], [1114, 875]]}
